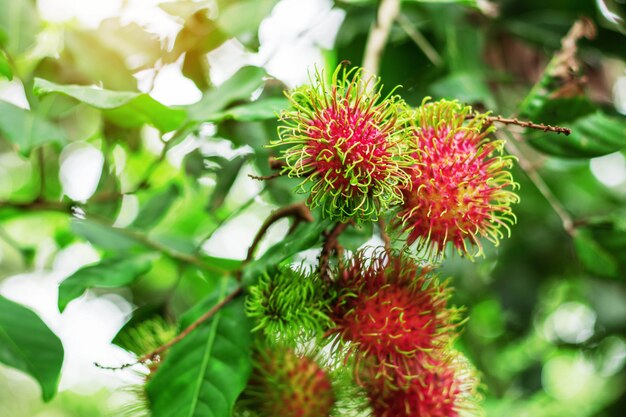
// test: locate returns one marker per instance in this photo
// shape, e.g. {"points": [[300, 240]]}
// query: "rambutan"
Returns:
{"points": [[460, 189], [442, 386], [390, 310], [345, 141], [288, 385], [290, 305]]}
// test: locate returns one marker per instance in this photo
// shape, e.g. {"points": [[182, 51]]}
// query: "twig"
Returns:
{"points": [[158, 351], [265, 177], [537, 180], [297, 210], [383, 233], [539, 126], [38, 205], [379, 33], [330, 244]]}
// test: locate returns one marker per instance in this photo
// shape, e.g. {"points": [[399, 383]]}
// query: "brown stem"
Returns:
{"points": [[297, 210], [330, 244], [383, 233], [276, 163], [158, 351], [539, 126], [265, 177]]}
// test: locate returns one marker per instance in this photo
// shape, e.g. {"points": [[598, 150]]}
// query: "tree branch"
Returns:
{"points": [[539, 126], [388, 11], [297, 210], [156, 353], [330, 244]]}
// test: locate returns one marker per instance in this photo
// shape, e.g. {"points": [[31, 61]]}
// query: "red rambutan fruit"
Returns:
{"points": [[288, 385], [390, 311], [460, 187], [345, 141], [443, 385]]}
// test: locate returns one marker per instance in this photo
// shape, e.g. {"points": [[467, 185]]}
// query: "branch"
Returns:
{"points": [[155, 355], [388, 11], [329, 244], [383, 233], [539, 126], [297, 210], [537, 180], [39, 205], [217, 307]]}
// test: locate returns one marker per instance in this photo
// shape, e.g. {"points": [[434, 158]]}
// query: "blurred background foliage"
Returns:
{"points": [[131, 200]]}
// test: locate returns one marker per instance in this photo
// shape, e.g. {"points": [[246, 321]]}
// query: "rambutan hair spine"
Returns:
{"points": [[348, 144], [463, 190], [391, 311]]}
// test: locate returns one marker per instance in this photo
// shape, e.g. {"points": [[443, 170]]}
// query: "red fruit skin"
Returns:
{"points": [[285, 384], [459, 189], [442, 387], [391, 311]]}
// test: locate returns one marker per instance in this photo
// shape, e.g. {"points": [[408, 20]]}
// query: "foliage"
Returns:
{"points": [[175, 225]]}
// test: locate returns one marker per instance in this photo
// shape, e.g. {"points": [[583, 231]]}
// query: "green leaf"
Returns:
{"points": [[601, 246], [593, 257], [26, 129], [593, 135], [465, 87], [204, 373], [20, 22], [108, 273], [5, 68], [226, 176], [244, 16], [127, 109], [103, 236], [239, 87], [27, 344], [251, 112], [156, 207]]}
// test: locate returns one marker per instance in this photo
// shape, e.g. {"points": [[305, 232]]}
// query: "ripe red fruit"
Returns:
{"points": [[391, 311], [344, 141], [444, 386], [460, 188]]}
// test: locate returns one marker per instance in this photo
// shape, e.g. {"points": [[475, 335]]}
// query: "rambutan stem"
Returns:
{"points": [[299, 211], [382, 226], [539, 126], [330, 244]]}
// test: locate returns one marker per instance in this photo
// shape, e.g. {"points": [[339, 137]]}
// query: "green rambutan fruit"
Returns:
{"points": [[290, 305]]}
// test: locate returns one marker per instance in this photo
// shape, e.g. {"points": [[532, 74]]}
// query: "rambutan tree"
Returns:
{"points": [[414, 230]]}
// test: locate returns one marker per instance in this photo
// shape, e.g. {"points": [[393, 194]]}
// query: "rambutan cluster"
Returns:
{"points": [[392, 315], [384, 314], [359, 155]]}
